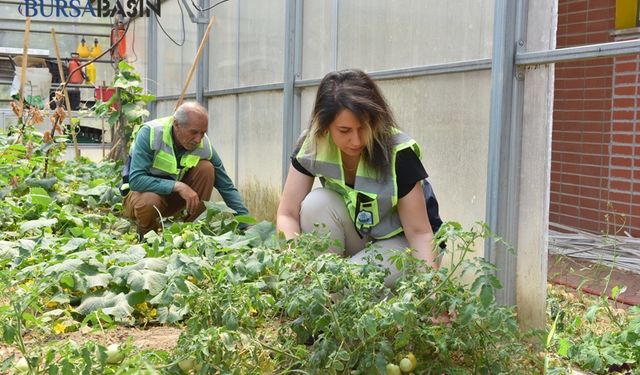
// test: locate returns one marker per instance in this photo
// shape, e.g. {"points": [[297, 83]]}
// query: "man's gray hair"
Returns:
{"points": [[181, 116]]}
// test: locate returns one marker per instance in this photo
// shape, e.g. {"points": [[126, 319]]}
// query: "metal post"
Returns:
{"points": [[333, 50], [236, 150], [203, 63], [152, 64], [503, 172], [291, 101]]}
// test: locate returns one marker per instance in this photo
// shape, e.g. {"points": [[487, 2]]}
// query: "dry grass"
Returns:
{"points": [[261, 199]]}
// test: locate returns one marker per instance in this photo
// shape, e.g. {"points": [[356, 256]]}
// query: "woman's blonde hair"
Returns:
{"points": [[354, 90]]}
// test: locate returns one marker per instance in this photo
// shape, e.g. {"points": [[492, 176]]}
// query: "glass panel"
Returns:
{"points": [[260, 129], [381, 34], [223, 130], [175, 61], [261, 41], [223, 47], [318, 56], [137, 47], [165, 108]]}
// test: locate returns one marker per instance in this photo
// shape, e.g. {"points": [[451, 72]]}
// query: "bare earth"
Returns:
{"points": [[163, 338]]}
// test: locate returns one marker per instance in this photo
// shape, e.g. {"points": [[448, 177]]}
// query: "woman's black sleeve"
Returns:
{"points": [[409, 170], [298, 167]]}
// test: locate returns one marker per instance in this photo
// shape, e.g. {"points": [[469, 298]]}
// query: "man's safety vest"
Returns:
{"points": [[165, 163], [373, 200]]}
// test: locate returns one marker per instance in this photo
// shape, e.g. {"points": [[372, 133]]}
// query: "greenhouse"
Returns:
{"points": [[484, 157]]}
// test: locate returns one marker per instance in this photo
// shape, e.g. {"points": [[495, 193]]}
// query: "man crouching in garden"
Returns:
{"points": [[173, 165]]}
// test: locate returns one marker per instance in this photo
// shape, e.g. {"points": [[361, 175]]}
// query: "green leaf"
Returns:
{"points": [[338, 366], [343, 355], [73, 244], [112, 304], [171, 314], [9, 333], [398, 312], [228, 341], [8, 250], [45, 183], [67, 280], [616, 291], [133, 254], [563, 347], [149, 280], [466, 314], [486, 295], [113, 118], [95, 191], [124, 66], [124, 83], [147, 98], [37, 224], [97, 182], [71, 265], [135, 298], [370, 324], [40, 197], [133, 111], [218, 207], [99, 280], [591, 313]]}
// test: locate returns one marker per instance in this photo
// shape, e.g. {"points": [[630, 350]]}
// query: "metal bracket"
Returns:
{"points": [[520, 70], [193, 17]]}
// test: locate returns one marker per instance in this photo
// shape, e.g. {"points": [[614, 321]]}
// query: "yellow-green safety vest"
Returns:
{"points": [[373, 200], [165, 163]]}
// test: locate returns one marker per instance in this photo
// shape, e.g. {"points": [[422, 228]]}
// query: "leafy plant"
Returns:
{"points": [[125, 110], [314, 312]]}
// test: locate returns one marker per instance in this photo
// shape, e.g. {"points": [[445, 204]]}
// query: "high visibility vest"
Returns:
{"points": [[373, 200], [165, 163]]}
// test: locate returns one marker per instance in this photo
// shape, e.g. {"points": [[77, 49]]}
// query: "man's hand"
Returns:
{"points": [[190, 197]]}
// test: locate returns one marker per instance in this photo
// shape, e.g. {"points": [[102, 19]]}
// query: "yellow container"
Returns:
{"points": [[96, 50], [83, 49], [91, 73]]}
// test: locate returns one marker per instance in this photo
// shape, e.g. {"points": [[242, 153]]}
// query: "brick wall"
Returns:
{"points": [[624, 164], [594, 145]]}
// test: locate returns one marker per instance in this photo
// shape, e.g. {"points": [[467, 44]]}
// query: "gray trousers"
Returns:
{"points": [[327, 207]]}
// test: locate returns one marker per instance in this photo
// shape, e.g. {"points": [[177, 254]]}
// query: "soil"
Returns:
{"points": [[157, 337], [591, 277]]}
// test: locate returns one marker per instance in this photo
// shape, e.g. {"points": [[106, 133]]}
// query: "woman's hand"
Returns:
{"points": [[296, 188]]}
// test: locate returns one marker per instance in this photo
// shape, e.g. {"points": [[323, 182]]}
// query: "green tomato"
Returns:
{"points": [[198, 367], [187, 364], [114, 355], [22, 365], [393, 369], [414, 361], [406, 365]]}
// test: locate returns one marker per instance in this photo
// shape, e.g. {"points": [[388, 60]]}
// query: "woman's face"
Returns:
{"points": [[348, 133]]}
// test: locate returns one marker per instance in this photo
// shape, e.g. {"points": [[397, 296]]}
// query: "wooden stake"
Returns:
{"points": [[195, 62], [23, 68], [102, 119], [66, 94]]}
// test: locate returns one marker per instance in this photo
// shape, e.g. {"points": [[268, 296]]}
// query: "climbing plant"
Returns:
{"points": [[126, 109]]}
